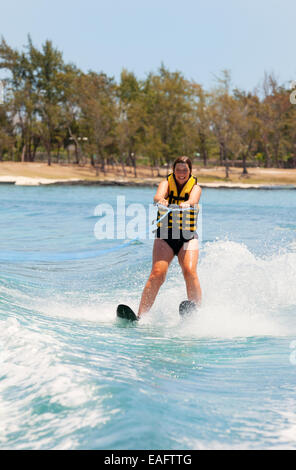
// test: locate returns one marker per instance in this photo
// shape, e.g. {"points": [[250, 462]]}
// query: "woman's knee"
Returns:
{"points": [[189, 272], [158, 275]]}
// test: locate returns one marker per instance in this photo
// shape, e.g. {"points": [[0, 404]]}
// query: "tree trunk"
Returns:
{"points": [[276, 156], [58, 154], [245, 171], [29, 150], [205, 157], [226, 169], [226, 162], [103, 167], [77, 152], [203, 149], [294, 157], [77, 146], [48, 154], [158, 168], [23, 153], [122, 163], [133, 159], [221, 151], [267, 153], [35, 146]]}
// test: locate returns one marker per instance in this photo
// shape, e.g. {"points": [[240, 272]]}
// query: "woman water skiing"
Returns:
{"points": [[176, 237]]}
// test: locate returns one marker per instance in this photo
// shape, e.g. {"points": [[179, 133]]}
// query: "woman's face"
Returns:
{"points": [[182, 172]]}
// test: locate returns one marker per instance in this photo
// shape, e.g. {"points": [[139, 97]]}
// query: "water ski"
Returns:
{"points": [[187, 307], [125, 312]]}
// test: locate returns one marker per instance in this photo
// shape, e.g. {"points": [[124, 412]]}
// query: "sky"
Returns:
{"points": [[199, 38]]}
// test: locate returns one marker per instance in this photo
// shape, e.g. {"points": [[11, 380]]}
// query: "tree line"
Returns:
{"points": [[49, 104]]}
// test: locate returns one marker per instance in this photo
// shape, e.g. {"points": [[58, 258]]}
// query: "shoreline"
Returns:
{"points": [[150, 182], [40, 174]]}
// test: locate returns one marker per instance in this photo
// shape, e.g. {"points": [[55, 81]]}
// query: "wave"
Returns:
{"points": [[243, 295], [26, 256]]}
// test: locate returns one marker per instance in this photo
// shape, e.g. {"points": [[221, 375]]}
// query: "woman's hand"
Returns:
{"points": [[184, 205], [163, 202]]}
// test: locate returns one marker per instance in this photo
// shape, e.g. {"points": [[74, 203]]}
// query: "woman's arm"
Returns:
{"points": [[162, 193], [194, 197]]}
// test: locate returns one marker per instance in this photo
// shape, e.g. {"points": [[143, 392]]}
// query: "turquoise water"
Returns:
{"points": [[74, 377]]}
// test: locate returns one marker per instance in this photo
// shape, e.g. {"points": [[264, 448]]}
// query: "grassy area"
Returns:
{"points": [[255, 175]]}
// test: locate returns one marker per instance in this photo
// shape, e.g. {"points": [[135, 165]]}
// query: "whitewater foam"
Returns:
{"points": [[243, 295]]}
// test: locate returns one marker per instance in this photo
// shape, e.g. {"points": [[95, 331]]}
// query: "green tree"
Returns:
{"points": [[130, 124], [22, 97], [167, 110], [6, 133], [246, 125], [273, 113], [97, 102], [200, 133], [49, 75], [222, 113]]}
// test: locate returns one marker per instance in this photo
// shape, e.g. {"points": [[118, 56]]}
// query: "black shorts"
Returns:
{"points": [[177, 243]]}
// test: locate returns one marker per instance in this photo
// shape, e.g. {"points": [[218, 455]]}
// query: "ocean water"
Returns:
{"points": [[72, 376]]}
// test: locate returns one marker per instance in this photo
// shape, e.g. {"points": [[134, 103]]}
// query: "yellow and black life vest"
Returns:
{"points": [[186, 220]]}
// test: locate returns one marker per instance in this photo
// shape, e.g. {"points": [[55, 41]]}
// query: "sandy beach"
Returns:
{"points": [[37, 173]]}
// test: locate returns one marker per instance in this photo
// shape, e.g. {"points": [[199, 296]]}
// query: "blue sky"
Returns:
{"points": [[199, 38]]}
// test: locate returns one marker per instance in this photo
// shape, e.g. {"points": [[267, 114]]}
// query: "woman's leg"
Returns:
{"points": [[188, 258], [162, 257]]}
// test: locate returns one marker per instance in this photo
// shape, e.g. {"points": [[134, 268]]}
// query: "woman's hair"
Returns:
{"points": [[183, 160]]}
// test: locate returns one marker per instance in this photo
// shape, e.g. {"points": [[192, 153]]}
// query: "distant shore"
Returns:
{"points": [[37, 173]]}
